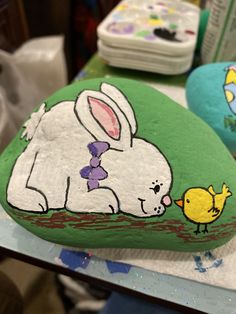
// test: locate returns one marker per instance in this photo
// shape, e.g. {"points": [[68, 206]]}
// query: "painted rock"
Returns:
{"points": [[211, 94], [115, 163]]}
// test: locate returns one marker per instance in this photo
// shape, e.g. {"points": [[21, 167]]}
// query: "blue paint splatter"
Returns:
{"points": [[116, 267], [199, 264], [209, 256], [74, 259], [217, 263]]}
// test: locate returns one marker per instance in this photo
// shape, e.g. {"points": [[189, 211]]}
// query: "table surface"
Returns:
{"points": [[17, 242]]}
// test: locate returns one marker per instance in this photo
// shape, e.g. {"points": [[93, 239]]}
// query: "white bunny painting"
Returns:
{"points": [[83, 156]]}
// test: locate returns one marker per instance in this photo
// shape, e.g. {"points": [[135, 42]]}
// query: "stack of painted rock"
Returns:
{"points": [[155, 36]]}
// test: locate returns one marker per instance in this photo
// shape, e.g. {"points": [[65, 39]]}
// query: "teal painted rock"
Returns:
{"points": [[211, 94], [115, 163]]}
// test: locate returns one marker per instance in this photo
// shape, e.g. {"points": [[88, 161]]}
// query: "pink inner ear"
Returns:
{"points": [[105, 116]]}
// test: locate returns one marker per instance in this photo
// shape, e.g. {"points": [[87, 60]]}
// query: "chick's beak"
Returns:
{"points": [[180, 203]]}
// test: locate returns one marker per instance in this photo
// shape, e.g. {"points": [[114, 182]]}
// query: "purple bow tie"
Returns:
{"points": [[94, 172]]}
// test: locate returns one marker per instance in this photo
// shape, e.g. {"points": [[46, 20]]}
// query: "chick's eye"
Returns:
{"points": [[187, 200]]}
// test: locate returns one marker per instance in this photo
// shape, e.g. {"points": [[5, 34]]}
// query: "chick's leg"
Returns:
{"points": [[205, 230], [198, 229]]}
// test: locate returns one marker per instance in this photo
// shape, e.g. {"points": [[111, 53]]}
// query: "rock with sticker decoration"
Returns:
{"points": [[99, 163]]}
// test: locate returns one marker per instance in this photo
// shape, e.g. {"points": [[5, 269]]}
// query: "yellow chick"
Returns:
{"points": [[203, 206]]}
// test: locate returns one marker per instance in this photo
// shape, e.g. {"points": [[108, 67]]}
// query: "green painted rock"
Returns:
{"points": [[114, 163], [211, 94]]}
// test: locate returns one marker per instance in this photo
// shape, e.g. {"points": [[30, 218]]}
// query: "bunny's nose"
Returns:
{"points": [[166, 200]]}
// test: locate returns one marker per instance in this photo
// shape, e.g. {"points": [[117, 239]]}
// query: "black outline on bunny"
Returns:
{"points": [[29, 187], [142, 207], [142, 201], [67, 191], [141, 138], [104, 188], [33, 188]]}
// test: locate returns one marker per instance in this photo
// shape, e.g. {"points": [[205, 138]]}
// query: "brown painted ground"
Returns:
{"points": [[183, 230]]}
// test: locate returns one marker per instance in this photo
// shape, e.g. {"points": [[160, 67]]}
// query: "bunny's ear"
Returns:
{"points": [[105, 116], [103, 119], [122, 102]]}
